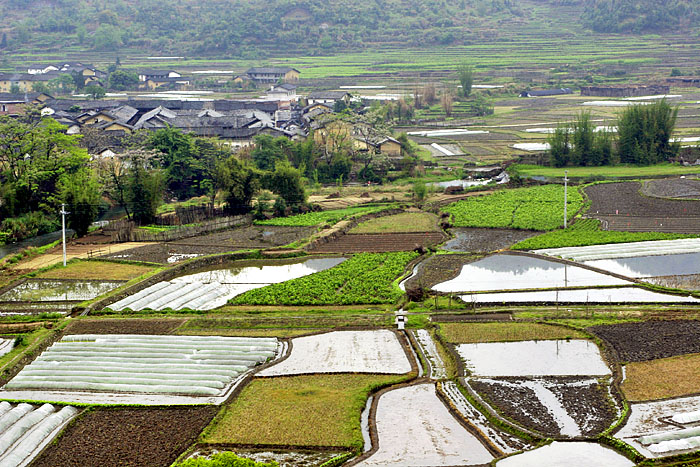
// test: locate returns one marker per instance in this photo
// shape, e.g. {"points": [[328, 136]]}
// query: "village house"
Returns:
{"points": [[282, 92], [269, 75], [13, 104], [328, 97], [145, 75]]}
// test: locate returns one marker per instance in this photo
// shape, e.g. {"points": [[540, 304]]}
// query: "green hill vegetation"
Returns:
{"points": [[256, 28]]}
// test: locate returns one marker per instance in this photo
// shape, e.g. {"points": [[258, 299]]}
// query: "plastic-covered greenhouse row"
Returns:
{"points": [[625, 250], [184, 365], [24, 429]]}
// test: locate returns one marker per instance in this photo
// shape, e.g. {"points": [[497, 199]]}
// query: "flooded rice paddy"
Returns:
{"points": [[52, 290], [534, 358], [512, 272], [567, 454]]}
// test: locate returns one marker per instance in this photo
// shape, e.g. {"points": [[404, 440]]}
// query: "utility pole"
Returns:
{"points": [[566, 172], [63, 224]]}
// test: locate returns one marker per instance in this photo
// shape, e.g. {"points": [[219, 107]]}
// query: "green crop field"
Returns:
{"points": [[366, 278], [324, 217], [607, 171], [536, 208]]}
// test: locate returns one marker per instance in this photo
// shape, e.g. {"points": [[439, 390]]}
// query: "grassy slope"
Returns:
{"points": [[662, 378], [404, 222], [606, 171], [316, 410], [467, 333]]}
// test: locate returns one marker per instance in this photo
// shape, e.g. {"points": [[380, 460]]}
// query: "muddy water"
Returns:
{"points": [[534, 358], [56, 290], [262, 272], [651, 266], [510, 272]]}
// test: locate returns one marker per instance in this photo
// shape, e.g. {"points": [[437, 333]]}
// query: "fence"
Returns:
{"points": [[128, 231]]}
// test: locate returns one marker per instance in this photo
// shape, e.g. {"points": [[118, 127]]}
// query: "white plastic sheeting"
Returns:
{"points": [[189, 365], [686, 417], [20, 440], [625, 250]]}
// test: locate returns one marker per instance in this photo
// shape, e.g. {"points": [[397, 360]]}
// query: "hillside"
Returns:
{"points": [[257, 28]]}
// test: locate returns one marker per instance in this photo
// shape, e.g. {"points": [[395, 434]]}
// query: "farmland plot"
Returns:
{"points": [[139, 369], [416, 429], [427, 345], [643, 267], [622, 295], [511, 272], [548, 386], [567, 454], [648, 429], [534, 358], [58, 290], [25, 430], [213, 288], [625, 250], [344, 352]]}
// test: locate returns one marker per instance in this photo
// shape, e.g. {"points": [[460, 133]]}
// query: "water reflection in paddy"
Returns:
{"points": [[46, 290], [607, 295], [651, 266], [262, 273], [506, 272]]}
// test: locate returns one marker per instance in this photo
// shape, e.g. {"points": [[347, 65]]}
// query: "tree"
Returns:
{"points": [[144, 192], [465, 73], [287, 182], [38, 86], [446, 103], [239, 184], [644, 133], [559, 146], [582, 139], [81, 194], [14, 88], [78, 80], [95, 91], [121, 80]]}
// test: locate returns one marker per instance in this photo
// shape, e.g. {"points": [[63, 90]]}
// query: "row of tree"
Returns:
{"points": [[643, 137]]}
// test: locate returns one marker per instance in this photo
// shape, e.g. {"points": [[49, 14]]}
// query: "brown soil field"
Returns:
{"points": [[686, 188], [485, 240], [663, 378], [586, 404], [161, 252], [439, 268], [621, 206], [123, 326], [649, 340], [253, 236], [127, 437], [378, 243]]}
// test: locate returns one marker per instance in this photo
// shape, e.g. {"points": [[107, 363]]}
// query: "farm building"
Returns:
{"points": [[145, 75], [328, 97], [269, 75], [12, 104], [545, 92], [625, 91]]}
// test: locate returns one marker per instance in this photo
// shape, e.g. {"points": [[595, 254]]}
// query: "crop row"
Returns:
{"points": [[534, 208], [365, 278], [143, 364], [587, 232], [324, 217]]}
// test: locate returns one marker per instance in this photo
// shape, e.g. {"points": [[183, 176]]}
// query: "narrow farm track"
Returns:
{"points": [[379, 243]]}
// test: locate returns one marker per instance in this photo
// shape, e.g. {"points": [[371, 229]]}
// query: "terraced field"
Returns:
{"points": [[379, 243]]}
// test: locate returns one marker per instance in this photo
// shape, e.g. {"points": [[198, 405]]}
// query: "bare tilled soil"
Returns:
{"points": [[623, 208], [377, 243], [519, 404], [252, 236], [165, 253], [123, 326], [439, 268], [127, 437], [485, 240], [649, 340], [687, 188], [625, 199], [587, 404]]}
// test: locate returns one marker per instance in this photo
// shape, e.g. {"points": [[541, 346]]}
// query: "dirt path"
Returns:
{"points": [[74, 251]]}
